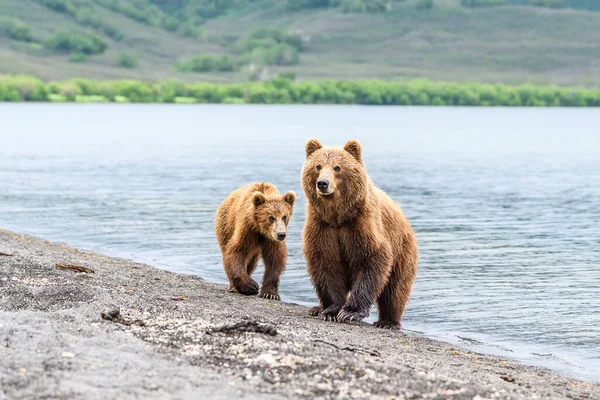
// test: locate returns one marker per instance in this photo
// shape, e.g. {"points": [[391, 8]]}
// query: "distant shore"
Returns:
{"points": [[100, 327], [285, 90]]}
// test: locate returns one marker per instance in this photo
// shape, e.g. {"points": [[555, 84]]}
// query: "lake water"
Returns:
{"points": [[505, 203]]}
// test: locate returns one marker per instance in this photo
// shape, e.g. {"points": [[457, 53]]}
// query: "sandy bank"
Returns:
{"points": [[176, 338]]}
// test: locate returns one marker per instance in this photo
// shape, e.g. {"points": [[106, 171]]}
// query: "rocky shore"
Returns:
{"points": [[126, 330]]}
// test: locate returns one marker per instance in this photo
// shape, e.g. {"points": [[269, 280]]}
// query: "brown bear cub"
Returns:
{"points": [[252, 223], [358, 245]]}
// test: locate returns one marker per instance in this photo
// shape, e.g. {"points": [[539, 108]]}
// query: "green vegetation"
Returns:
{"points": [[127, 60], [355, 6], [283, 90], [83, 12], [206, 63], [270, 47], [16, 30], [425, 4], [77, 58], [337, 39], [76, 42], [482, 3], [548, 3]]}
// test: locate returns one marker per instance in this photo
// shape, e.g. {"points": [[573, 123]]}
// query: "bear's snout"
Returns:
{"points": [[281, 236], [323, 185]]}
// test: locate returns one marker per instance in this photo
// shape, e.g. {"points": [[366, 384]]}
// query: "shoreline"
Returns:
{"points": [[177, 335]]}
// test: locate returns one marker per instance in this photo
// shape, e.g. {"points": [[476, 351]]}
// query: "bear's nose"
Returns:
{"points": [[323, 184], [281, 235]]}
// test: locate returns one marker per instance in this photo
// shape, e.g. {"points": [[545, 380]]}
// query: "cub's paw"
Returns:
{"points": [[248, 288], [269, 296], [349, 314], [331, 312], [315, 311], [387, 324]]}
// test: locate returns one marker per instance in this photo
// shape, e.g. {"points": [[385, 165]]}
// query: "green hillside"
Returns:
{"points": [[241, 40]]}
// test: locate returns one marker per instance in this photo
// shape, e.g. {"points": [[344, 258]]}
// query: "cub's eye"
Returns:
{"points": [[337, 169], [284, 218], [318, 167], [271, 219]]}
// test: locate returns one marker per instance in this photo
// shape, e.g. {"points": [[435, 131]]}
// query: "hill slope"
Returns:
{"points": [[509, 44]]}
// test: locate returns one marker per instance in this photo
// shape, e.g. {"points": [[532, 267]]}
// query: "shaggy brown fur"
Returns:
{"points": [[252, 223], [359, 246]]}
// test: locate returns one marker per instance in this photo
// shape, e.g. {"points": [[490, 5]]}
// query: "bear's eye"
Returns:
{"points": [[318, 167], [284, 218], [337, 169], [271, 219]]}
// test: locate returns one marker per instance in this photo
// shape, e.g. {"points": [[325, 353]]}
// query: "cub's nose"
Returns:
{"points": [[323, 184], [281, 236]]}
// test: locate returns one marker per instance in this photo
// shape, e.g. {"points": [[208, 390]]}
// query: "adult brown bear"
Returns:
{"points": [[251, 223], [359, 246]]}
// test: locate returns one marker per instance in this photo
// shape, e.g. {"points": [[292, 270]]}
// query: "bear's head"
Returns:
{"points": [[272, 214], [334, 177]]}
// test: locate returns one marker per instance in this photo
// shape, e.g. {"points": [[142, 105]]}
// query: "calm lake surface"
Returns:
{"points": [[505, 203]]}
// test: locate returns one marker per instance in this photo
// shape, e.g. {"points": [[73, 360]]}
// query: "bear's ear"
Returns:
{"points": [[258, 199], [353, 147], [289, 197], [311, 146]]}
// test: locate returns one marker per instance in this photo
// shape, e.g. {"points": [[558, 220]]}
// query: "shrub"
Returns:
{"points": [[301, 4], [267, 37], [280, 54], [22, 87], [425, 4], [76, 42], [77, 58], [113, 32], [482, 3], [16, 30], [84, 14], [206, 63], [284, 90], [548, 3], [270, 47], [127, 60], [91, 99], [8, 92]]}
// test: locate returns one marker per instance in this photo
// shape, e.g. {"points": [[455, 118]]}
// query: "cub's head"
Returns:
{"points": [[333, 174], [272, 214]]}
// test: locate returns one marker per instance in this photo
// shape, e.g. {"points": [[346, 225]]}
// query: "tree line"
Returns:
{"points": [[284, 90]]}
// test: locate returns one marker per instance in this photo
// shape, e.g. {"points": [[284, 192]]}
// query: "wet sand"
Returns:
{"points": [[179, 337]]}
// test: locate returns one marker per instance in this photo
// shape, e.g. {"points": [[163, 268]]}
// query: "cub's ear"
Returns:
{"points": [[289, 197], [258, 199], [311, 146], [353, 147]]}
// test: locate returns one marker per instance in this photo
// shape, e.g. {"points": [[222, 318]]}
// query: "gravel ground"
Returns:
{"points": [[173, 336]]}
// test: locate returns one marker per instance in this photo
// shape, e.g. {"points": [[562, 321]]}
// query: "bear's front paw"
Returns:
{"points": [[269, 296], [249, 287], [331, 312], [315, 311], [349, 314], [387, 324]]}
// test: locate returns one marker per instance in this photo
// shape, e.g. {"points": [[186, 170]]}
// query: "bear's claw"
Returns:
{"points": [[314, 311], [331, 312], [348, 316], [270, 296], [385, 324]]}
